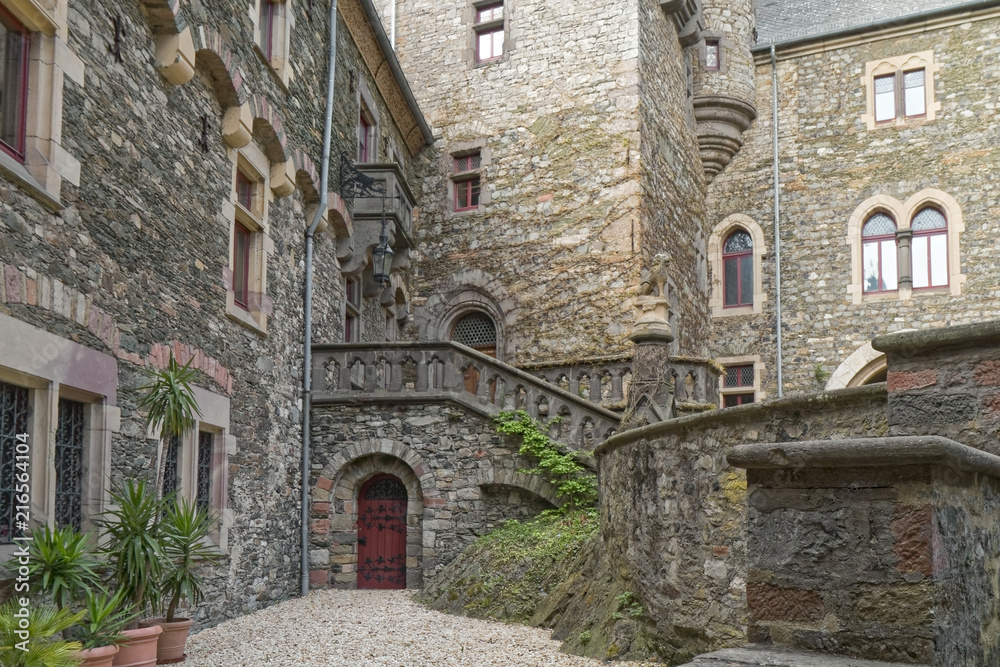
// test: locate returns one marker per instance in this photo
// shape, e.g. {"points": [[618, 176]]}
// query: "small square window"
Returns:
{"points": [[738, 383], [467, 194], [489, 13], [467, 163], [712, 55]]}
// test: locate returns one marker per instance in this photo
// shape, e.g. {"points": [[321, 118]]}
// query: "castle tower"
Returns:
{"points": [[723, 81]]}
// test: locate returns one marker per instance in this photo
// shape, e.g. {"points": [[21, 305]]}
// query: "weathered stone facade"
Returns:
{"points": [[832, 166]]}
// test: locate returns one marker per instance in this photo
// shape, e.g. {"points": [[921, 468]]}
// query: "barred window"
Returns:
{"points": [[475, 330], [171, 480], [13, 423], [738, 383], [69, 464], [204, 483]]}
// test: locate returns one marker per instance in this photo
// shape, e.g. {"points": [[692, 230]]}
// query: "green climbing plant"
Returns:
{"points": [[560, 469]]}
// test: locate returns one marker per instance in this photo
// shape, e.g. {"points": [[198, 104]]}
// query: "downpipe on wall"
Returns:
{"points": [[307, 298], [777, 215]]}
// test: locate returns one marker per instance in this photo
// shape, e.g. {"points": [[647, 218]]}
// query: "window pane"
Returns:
{"points": [[13, 421], [915, 91], [13, 83], [203, 497], [171, 481], [885, 98], [485, 45], [69, 464], [241, 268], [928, 218], [731, 271], [920, 257], [746, 279], [939, 260], [878, 225], [870, 267], [890, 275], [474, 194], [738, 242], [498, 43], [712, 55]]}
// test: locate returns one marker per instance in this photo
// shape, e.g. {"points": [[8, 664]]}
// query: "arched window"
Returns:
{"points": [[879, 261], [478, 332], [737, 261], [930, 248]]}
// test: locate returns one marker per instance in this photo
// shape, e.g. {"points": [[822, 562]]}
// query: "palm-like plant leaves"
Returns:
{"points": [[134, 548], [184, 529], [170, 406], [104, 619], [61, 564], [45, 648]]}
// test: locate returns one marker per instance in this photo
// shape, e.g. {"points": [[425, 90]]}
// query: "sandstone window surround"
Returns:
{"points": [[717, 255], [465, 166], [273, 22], [910, 248], [51, 374], [250, 245], [39, 163], [900, 90], [740, 383], [368, 125], [202, 477]]}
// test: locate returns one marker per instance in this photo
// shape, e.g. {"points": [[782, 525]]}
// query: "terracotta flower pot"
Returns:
{"points": [[139, 650], [102, 656], [170, 647]]}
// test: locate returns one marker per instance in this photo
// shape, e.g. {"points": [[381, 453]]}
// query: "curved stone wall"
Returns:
{"points": [[673, 511]]}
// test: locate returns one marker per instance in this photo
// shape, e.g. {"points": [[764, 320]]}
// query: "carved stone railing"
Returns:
{"points": [[605, 381], [425, 372]]}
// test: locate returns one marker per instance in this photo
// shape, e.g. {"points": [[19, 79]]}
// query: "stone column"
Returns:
{"points": [[903, 239]]}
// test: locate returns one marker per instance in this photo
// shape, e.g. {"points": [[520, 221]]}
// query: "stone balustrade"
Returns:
{"points": [[605, 381], [397, 372]]}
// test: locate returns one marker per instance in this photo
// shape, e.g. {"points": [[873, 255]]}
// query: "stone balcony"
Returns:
{"points": [[423, 372]]}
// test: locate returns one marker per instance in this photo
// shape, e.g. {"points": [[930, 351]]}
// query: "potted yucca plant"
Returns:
{"points": [[184, 530], [100, 630], [135, 556]]}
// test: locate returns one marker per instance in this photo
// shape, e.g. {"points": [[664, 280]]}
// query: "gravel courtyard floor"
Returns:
{"points": [[369, 628]]}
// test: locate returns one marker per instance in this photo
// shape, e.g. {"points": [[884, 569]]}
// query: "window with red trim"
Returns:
{"points": [[244, 191], [352, 310], [929, 248], [489, 32], [268, 12], [15, 40], [737, 268], [467, 194], [365, 143], [712, 55], [879, 262], [734, 380], [241, 266]]}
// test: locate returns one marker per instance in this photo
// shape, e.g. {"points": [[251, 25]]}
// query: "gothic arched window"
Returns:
{"points": [[737, 261]]}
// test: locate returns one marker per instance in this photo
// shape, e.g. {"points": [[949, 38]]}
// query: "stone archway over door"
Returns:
{"points": [[382, 533]]}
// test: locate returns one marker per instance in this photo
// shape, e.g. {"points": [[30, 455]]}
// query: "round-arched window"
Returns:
{"points": [[737, 266], [478, 332]]}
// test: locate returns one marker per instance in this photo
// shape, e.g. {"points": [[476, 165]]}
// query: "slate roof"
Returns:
{"points": [[781, 20]]}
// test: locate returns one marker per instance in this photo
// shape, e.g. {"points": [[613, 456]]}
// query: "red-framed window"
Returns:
{"points": [[489, 32], [712, 55], [352, 310], [268, 14], [241, 266], [244, 190], [901, 91], [879, 261], [14, 85], [929, 248], [737, 378], [467, 194], [737, 269], [365, 144], [467, 162], [914, 93]]}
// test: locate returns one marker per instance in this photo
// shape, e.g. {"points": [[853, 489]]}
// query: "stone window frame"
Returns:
{"points": [[715, 241], [459, 150], [282, 24], [215, 419], [758, 373], [50, 368], [902, 214], [253, 164], [353, 309], [724, 43], [368, 110], [46, 162], [469, 18], [896, 66]]}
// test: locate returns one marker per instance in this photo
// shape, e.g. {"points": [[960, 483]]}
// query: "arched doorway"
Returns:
{"points": [[382, 533]]}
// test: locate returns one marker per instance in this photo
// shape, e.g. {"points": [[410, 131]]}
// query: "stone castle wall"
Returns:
{"points": [[830, 164], [559, 226]]}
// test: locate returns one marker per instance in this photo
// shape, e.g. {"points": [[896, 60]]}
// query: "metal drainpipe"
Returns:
{"points": [[307, 305], [777, 213], [392, 26]]}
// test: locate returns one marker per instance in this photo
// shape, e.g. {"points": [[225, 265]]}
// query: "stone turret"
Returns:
{"points": [[724, 90]]}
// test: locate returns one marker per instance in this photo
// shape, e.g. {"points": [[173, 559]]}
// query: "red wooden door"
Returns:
{"points": [[382, 533]]}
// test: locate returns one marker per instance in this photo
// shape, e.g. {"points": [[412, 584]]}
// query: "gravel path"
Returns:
{"points": [[372, 628]]}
